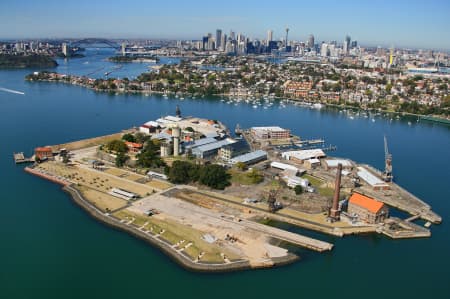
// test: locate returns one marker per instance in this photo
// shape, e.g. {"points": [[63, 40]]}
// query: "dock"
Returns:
{"points": [[19, 158]]}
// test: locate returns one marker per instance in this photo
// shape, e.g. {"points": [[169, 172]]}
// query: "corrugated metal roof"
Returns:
{"points": [[369, 177], [249, 157], [304, 154], [335, 162], [213, 146]]}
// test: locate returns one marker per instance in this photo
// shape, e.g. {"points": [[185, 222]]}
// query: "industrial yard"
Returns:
{"points": [[267, 174]]}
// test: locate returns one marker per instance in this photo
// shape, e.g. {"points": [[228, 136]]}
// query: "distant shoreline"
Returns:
{"points": [[429, 118]]}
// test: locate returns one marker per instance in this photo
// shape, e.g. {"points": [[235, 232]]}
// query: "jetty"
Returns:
{"points": [[20, 158]]}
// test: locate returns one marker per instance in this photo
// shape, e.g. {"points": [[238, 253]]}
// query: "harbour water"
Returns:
{"points": [[50, 248]]}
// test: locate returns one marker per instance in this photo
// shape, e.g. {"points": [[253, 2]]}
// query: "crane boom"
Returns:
{"points": [[387, 175]]}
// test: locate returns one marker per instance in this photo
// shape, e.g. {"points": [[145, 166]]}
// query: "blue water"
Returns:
{"points": [[52, 249]]}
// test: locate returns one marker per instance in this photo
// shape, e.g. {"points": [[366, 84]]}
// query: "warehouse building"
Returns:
{"points": [[303, 155], [270, 132], [373, 181], [211, 149], [367, 209], [227, 152], [250, 158]]}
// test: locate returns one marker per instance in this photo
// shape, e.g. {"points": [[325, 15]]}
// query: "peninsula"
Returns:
{"points": [[251, 78], [207, 199], [26, 61]]}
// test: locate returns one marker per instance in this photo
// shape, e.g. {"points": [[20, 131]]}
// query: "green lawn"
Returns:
{"points": [[319, 185]]}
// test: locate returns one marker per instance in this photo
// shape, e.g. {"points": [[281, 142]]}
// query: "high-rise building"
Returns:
{"points": [[286, 40], [354, 44], [232, 35], [218, 38], [346, 46], [64, 49], [223, 42], [324, 50], [269, 36], [311, 41]]}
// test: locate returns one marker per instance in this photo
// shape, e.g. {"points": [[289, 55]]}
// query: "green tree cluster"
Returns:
{"points": [[211, 175]]}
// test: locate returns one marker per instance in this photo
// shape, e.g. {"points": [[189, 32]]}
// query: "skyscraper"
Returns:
{"points": [[287, 33], [346, 46], [218, 38], [269, 36], [311, 41]]}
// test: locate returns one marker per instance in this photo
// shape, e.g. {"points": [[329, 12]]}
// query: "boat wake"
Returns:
{"points": [[11, 91]]}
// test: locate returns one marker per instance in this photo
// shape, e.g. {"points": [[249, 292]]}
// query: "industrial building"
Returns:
{"points": [[250, 158], [284, 166], [211, 149], [372, 180], [273, 132], [367, 209], [227, 152], [149, 127], [332, 164], [302, 155]]}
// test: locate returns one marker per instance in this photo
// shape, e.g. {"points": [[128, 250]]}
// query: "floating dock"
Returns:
{"points": [[20, 158]]}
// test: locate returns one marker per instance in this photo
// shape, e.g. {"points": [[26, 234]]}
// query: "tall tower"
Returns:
{"points": [[123, 49], [269, 36], [64, 49], [176, 133], [311, 41], [218, 38], [334, 211], [287, 33], [178, 111], [347, 44]]}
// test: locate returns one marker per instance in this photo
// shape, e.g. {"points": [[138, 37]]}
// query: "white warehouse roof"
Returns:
{"points": [[335, 162], [368, 177], [304, 154], [283, 166]]}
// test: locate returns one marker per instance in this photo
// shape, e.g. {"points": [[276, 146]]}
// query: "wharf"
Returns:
{"points": [[396, 228], [20, 158], [401, 199]]}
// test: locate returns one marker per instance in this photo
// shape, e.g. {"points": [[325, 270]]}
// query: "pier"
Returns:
{"points": [[20, 158]]}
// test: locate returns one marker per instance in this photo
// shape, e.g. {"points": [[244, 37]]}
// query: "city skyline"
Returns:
{"points": [[413, 24]]}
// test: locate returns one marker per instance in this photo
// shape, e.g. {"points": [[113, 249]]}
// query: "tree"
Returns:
{"points": [[121, 158], [129, 137], [117, 146], [179, 172], [149, 156], [141, 137], [214, 176], [255, 176], [241, 166], [298, 190]]}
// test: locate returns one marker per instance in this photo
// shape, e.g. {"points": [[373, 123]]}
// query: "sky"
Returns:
{"points": [[399, 23]]}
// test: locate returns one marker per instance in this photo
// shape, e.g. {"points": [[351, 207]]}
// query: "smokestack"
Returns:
{"points": [[334, 212], [176, 132]]}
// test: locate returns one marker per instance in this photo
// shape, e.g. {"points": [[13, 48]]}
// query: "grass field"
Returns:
{"points": [[94, 179], [319, 185], [175, 232], [101, 200], [244, 177]]}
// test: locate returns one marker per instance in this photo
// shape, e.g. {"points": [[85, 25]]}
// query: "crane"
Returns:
{"points": [[387, 175]]}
